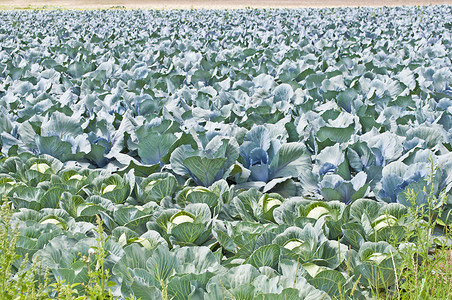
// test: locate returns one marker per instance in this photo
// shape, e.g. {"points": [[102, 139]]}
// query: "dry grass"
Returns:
{"points": [[210, 4], [444, 266]]}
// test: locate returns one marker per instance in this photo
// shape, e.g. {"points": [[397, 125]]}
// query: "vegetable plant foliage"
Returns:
{"points": [[242, 154]]}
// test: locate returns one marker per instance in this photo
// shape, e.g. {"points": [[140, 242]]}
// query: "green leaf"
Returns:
{"points": [[243, 292], [364, 206], [26, 197], [162, 263], [62, 125], [353, 235], [282, 92], [158, 186], [179, 288], [246, 204], [265, 256], [97, 155], [394, 234], [187, 233], [329, 281], [225, 240], [346, 98], [235, 277], [185, 139], [196, 260], [331, 254], [144, 285], [336, 135], [138, 169], [290, 161], [204, 169], [134, 257], [377, 275], [52, 198], [54, 146], [126, 214], [153, 146], [201, 196], [286, 294]]}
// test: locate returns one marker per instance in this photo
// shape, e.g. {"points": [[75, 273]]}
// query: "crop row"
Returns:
{"points": [[227, 154]]}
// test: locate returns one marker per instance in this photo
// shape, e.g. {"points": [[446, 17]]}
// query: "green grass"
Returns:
{"points": [[30, 284], [426, 268]]}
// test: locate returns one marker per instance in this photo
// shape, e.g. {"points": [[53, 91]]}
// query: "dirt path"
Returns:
{"points": [[213, 4]]}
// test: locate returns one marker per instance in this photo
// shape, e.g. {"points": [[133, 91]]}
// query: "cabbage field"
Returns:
{"points": [[227, 154]]}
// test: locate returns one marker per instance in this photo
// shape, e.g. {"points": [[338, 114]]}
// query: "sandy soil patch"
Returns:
{"points": [[212, 4]]}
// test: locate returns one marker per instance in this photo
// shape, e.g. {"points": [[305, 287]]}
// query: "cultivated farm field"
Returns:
{"points": [[226, 154], [207, 4]]}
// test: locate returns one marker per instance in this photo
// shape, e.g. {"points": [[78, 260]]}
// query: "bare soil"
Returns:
{"points": [[209, 4]]}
